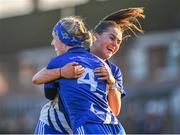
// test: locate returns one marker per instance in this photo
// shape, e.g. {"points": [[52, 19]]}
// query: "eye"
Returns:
{"points": [[112, 38], [118, 42]]}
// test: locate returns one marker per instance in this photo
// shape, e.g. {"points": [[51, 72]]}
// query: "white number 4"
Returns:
{"points": [[88, 78]]}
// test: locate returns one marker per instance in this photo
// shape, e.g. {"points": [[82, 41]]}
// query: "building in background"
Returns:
{"points": [[153, 77]]}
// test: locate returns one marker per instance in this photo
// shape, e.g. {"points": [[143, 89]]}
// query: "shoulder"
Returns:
{"points": [[55, 62], [114, 67]]}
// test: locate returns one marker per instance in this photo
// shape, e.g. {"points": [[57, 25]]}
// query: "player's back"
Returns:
{"points": [[85, 98]]}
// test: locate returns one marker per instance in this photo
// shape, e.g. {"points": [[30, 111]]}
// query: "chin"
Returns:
{"points": [[109, 56]]}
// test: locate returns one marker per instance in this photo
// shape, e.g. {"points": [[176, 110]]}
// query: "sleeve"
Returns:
{"points": [[53, 63], [50, 90], [119, 80]]}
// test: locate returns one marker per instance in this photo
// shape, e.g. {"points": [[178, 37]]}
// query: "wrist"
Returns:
{"points": [[113, 86]]}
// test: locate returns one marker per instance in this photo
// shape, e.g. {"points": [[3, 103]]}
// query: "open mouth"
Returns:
{"points": [[110, 50]]}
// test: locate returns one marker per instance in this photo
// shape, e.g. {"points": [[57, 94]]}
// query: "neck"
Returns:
{"points": [[97, 54], [68, 47]]}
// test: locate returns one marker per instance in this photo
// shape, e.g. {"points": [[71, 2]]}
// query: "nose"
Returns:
{"points": [[52, 42], [115, 43]]}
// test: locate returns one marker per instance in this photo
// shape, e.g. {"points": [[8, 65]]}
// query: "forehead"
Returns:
{"points": [[53, 33], [115, 31]]}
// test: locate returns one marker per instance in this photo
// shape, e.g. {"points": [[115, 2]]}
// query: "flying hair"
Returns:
{"points": [[127, 19]]}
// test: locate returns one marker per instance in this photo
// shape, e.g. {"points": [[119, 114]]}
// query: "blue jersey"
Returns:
{"points": [[51, 120], [117, 76], [84, 99], [60, 124]]}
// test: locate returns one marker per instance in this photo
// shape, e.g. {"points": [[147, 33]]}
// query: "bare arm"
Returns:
{"points": [[114, 100], [114, 96], [45, 75], [70, 70]]}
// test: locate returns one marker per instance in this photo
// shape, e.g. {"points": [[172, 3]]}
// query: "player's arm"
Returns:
{"points": [[50, 90], [114, 95], [114, 99], [70, 70]]}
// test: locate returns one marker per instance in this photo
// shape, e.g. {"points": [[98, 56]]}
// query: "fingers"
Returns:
{"points": [[78, 71], [103, 78], [79, 67], [101, 74], [78, 75], [73, 66], [76, 66], [73, 63], [100, 69]]}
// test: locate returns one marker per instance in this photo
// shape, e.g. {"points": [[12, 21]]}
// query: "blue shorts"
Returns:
{"points": [[94, 128], [42, 128]]}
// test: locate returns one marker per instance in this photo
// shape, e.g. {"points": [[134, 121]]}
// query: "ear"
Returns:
{"points": [[96, 36]]}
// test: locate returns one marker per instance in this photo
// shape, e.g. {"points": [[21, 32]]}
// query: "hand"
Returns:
{"points": [[72, 70], [105, 74]]}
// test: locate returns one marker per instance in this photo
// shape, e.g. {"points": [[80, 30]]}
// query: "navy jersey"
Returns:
{"points": [[85, 98]]}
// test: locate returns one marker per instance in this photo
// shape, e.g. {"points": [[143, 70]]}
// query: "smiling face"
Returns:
{"points": [[107, 43]]}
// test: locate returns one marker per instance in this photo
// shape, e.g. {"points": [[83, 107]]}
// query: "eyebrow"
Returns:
{"points": [[115, 36]]}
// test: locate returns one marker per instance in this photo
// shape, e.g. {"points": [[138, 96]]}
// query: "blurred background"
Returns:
{"points": [[150, 63]]}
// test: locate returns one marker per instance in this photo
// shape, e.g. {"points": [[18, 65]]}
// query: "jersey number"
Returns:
{"points": [[88, 78]]}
